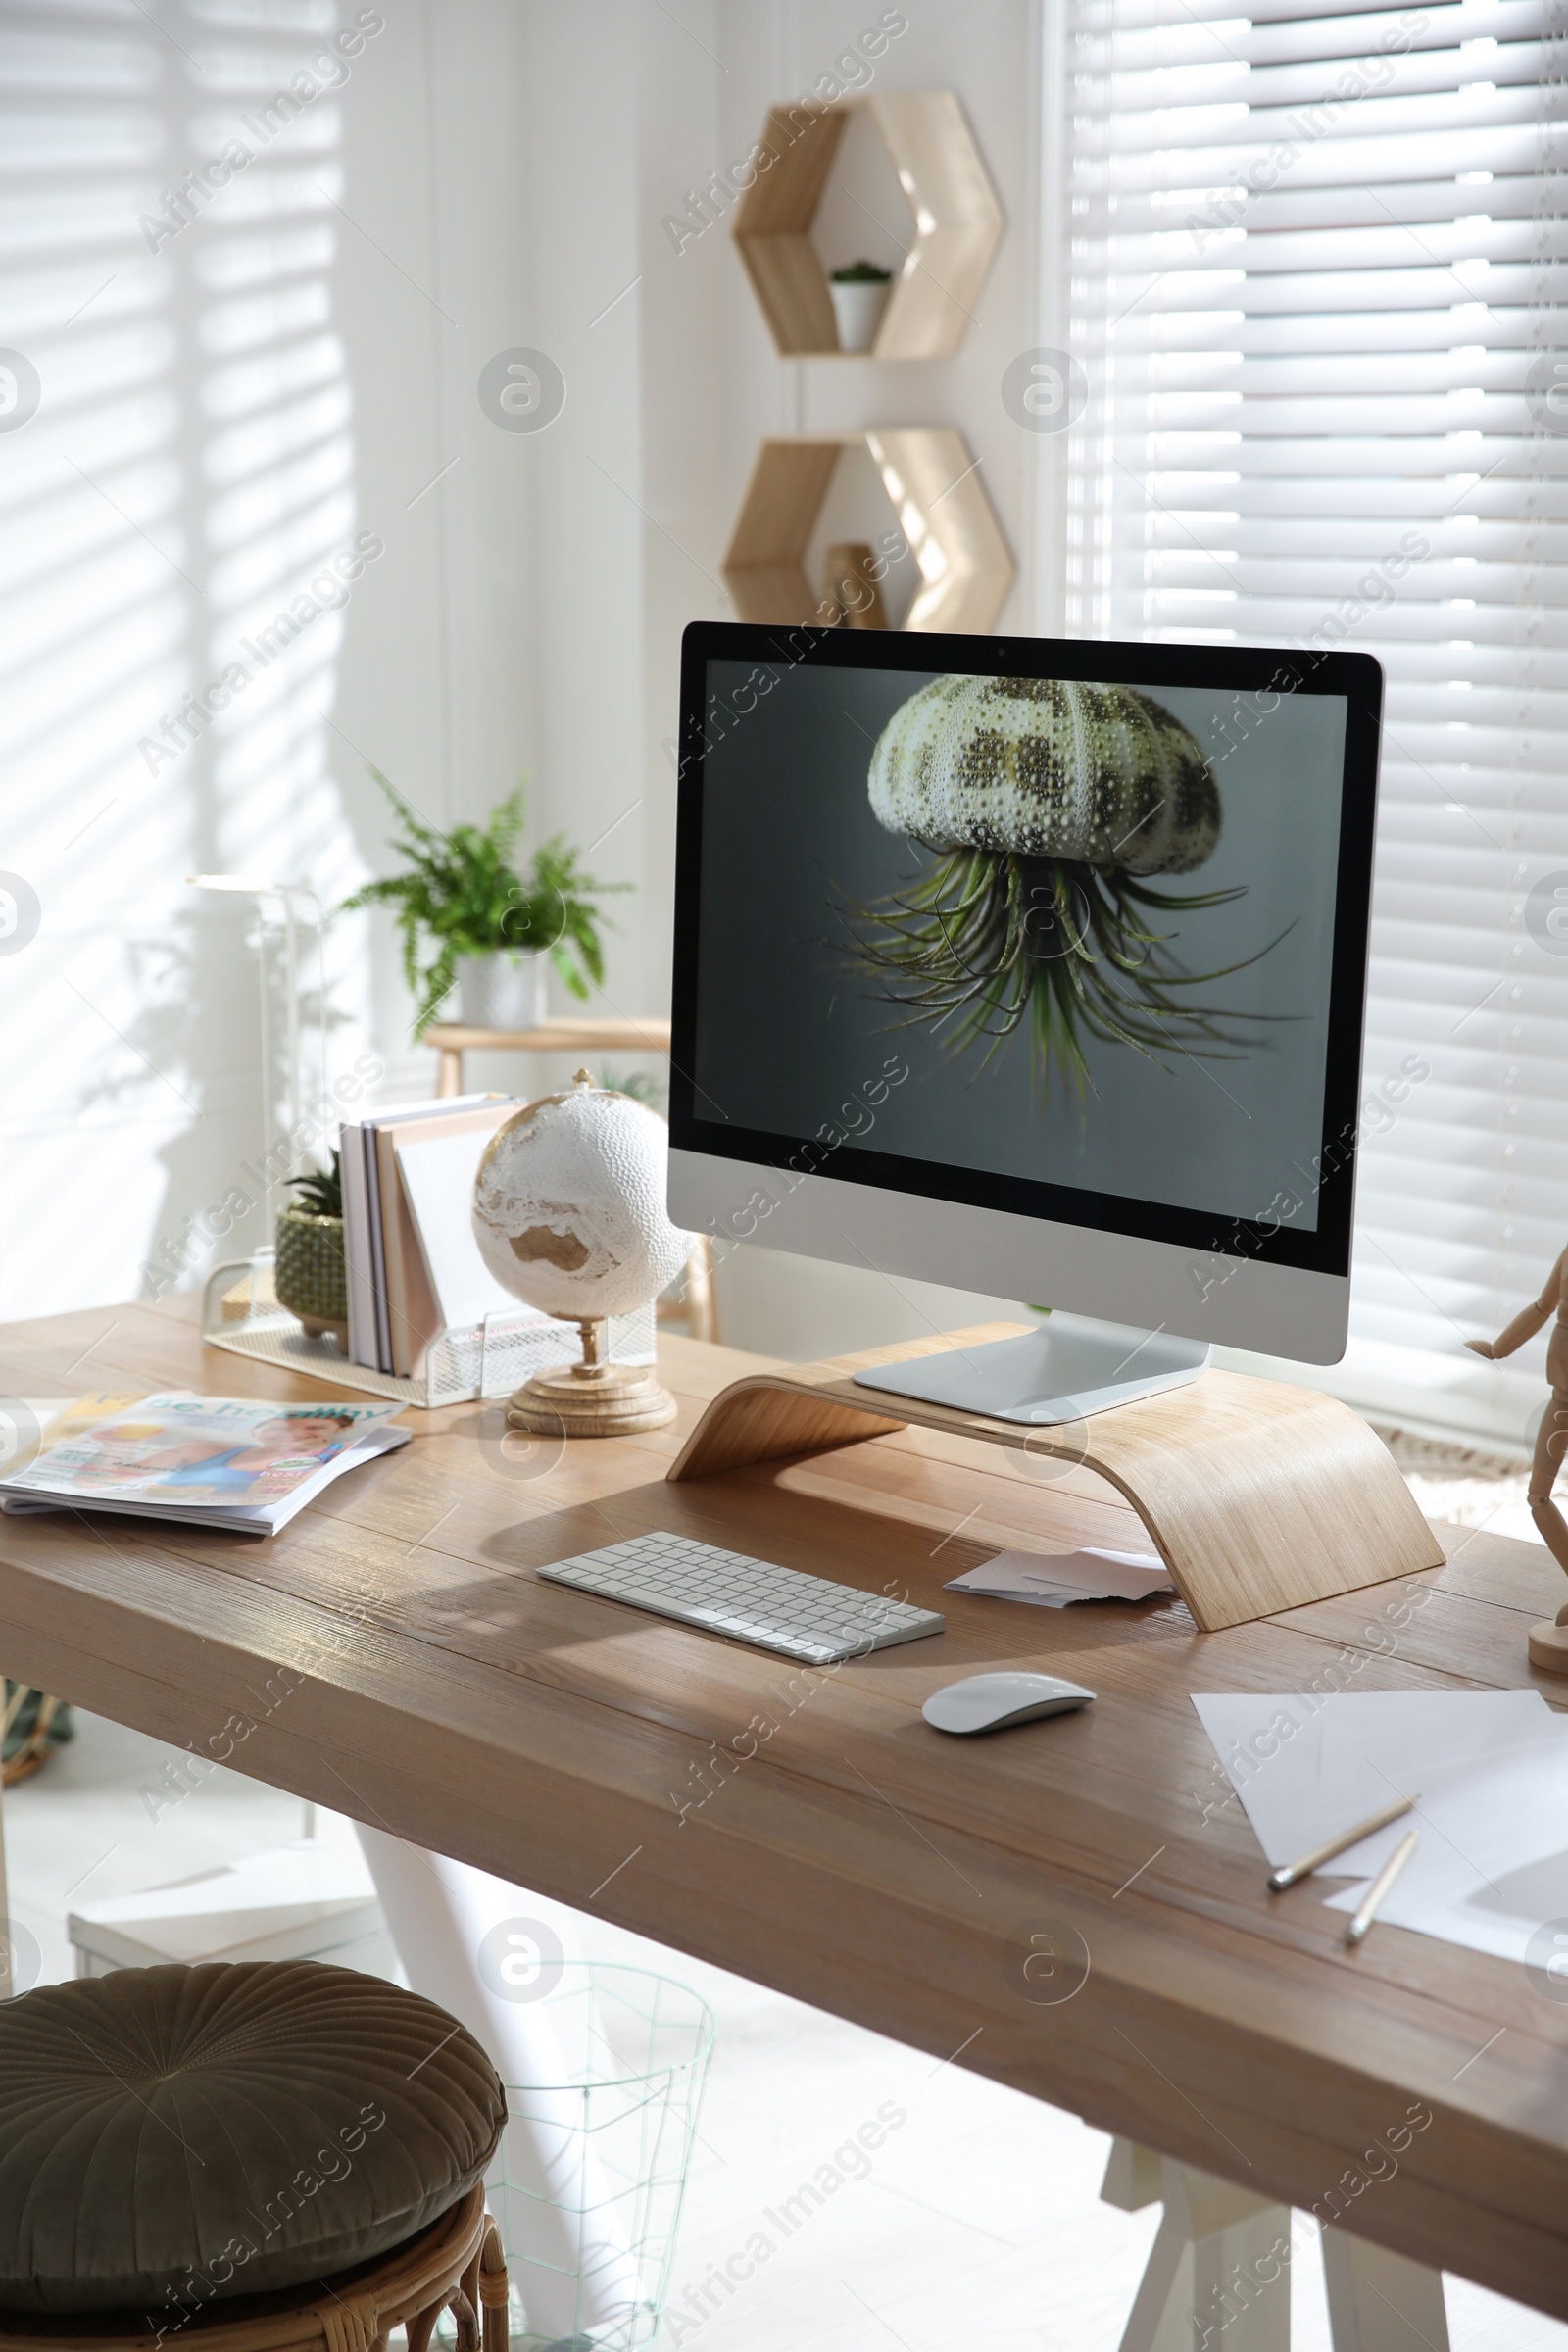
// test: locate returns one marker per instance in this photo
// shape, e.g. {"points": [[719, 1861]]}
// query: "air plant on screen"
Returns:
{"points": [[1052, 810]]}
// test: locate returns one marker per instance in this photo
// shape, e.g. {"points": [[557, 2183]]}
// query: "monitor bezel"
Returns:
{"points": [[1356, 677]]}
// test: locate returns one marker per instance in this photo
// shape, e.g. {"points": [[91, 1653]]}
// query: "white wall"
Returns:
{"points": [[222, 408], [300, 364], [986, 53], [188, 469], [671, 381]]}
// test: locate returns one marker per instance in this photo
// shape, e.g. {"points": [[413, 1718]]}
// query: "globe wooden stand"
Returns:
{"points": [[1258, 1496], [594, 1398]]}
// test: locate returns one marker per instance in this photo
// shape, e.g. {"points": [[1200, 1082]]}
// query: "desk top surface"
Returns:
{"points": [[392, 1654]]}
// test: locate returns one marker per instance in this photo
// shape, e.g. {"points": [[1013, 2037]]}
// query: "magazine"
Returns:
{"points": [[206, 1461]]}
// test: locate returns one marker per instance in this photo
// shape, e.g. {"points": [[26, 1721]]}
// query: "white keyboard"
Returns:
{"points": [[751, 1601]]}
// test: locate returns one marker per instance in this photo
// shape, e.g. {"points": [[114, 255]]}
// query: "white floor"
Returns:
{"points": [[978, 2223]]}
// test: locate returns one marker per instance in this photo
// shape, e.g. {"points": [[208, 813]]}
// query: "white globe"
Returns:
{"points": [[569, 1204]]}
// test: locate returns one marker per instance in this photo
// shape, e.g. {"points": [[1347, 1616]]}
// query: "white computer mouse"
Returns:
{"points": [[989, 1702]]}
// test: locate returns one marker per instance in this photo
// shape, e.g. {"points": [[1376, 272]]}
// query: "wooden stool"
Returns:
{"points": [[232, 2142], [455, 2264]]}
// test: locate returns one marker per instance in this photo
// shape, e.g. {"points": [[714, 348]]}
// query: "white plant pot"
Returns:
{"points": [[503, 990], [858, 309]]}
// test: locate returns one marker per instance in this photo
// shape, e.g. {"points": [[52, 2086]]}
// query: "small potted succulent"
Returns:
{"points": [[470, 921], [859, 292], [309, 1275]]}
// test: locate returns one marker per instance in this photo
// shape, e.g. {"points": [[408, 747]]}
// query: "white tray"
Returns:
{"points": [[485, 1359]]}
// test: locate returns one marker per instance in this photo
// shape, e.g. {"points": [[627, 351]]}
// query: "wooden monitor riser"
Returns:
{"points": [[1257, 1495]]}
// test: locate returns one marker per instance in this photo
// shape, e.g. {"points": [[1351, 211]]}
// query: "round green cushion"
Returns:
{"points": [[173, 2134]]}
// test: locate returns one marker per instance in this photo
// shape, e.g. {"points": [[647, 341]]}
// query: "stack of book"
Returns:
{"points": [[413, 1265]]}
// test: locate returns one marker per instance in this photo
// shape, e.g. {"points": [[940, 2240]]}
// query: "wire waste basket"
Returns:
{"points": [[588, 2187]]}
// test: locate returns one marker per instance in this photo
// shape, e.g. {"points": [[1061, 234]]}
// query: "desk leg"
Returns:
{"points": [[7, 1982], [1378, 2301], [1218, 2278], [449, 1078]]}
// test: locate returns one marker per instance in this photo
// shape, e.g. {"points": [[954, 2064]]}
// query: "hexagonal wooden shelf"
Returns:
{"points": [[957, 223], [934, 484]]}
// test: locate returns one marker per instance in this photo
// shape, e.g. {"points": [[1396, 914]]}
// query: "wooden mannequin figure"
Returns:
{"points": [[1549, 1642]]}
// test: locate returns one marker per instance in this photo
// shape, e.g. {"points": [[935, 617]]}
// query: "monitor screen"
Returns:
{"points": [[1072, 929]]}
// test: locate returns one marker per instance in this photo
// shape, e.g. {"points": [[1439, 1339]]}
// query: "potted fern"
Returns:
{"points": [[309, 1275], [471, 921]]}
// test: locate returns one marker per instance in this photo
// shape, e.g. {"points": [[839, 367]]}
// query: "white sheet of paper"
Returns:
{"points": [[1305, 1767], [1492, 1869], [1054, 1579], [438, 1177], [1035, 1597]]}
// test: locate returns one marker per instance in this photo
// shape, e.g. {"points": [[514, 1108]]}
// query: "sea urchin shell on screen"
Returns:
{"points": [[1049, 806]]}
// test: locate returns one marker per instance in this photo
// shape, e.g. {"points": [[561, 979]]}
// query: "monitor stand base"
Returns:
{"points": [[1065, 1372], [1257, 1495]]}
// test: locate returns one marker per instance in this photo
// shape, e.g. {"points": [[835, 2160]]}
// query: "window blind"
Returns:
{"points": [[1317, 292]]}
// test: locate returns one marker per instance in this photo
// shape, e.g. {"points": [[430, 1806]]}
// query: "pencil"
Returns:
{"points": [[1279, 1880], [1380, 1887]]}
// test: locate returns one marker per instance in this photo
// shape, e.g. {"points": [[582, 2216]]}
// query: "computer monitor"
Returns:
{"points": [[1033, 967]]}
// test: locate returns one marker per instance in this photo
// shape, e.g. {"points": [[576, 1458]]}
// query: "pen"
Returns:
{"points": [[1279, 1880], [1380, 1887]]}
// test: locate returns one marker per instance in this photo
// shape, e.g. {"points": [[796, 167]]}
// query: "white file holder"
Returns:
{"points": [[482, 1360]]}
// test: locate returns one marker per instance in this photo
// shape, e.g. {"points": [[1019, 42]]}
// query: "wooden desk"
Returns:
{"points": [[452, 1039], [395, 1657]]}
